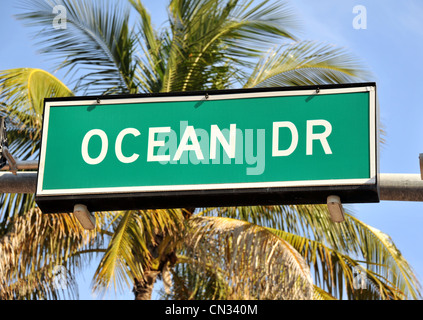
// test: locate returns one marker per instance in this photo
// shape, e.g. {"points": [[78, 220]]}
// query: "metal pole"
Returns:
{"points": [[22, 182], [401, 187], [393, 187], [23, 165]]}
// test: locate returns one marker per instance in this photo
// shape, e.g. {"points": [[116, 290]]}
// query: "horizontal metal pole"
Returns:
{"points": [[23, 165], [393, 187], [401, 187], [22, 182]]}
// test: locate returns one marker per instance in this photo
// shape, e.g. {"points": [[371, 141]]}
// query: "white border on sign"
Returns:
{"points": [[215, 186]]}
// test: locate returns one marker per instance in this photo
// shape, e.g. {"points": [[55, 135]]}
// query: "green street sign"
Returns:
{"points": [[219, 148]]}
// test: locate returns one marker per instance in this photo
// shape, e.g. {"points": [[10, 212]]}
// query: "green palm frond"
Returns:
{"points": [[261, 26], [151, 67], [254, 263], [190, 284], [353, 238], [306, 63], [320, 294], [131, 249], [334, 271], [97, 44], [118, 265], [224, 35], [311, 221], [22, 92], [384, 258]]}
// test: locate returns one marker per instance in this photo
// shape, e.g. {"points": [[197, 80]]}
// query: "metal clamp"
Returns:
{"points": [[5, 155]]}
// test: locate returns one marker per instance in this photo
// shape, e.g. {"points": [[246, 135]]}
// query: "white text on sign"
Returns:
{"points": [[197, 145]]}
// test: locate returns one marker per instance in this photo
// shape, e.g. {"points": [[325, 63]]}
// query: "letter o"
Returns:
{"points": [[104, 146]]}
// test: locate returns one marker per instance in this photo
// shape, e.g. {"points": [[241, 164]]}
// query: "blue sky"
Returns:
{"points": [[391, 47]]}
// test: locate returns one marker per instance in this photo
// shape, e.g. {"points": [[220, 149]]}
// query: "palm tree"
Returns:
{"points": [[264, 252]]}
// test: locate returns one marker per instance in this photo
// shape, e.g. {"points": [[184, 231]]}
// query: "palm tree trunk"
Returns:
{"points": [[144, 290]]}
